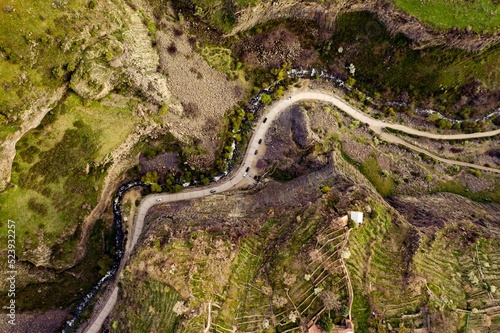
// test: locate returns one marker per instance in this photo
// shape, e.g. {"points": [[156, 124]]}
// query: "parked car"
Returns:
{"points": [[289, 97], [213, 191], [247, 169], [265, 119]]}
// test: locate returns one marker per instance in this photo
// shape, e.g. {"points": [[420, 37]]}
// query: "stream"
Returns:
{"points": [[119, 252]]}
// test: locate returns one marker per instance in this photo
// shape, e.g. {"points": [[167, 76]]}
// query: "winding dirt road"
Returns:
{"points": [[249, 161]]}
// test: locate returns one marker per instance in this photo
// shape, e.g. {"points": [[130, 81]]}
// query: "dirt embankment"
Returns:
{"points": [[396, 21]]}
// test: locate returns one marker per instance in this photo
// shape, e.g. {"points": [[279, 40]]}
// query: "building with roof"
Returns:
{"points": [[356, 217]]}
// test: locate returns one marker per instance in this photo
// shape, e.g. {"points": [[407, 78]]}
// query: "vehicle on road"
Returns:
{"points": [[265, 119], [213, 191], [245, 174], [256, 151], [247, 169], [289, 97], [260, 141], [158, 200]]}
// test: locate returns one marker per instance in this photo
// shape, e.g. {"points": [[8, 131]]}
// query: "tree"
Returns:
{"points": [[279, 92], [326, 323], [350, 82], [105, 264], [266, 99], [177, 188], [155, 187], [330, 300], [150, 178], [443, 123]]}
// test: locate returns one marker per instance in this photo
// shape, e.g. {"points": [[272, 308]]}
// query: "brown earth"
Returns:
{"points": [[272, 49]]}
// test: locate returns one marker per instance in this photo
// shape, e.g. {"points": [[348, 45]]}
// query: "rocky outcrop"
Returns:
{"points": [[141, 61], [96, 74]]}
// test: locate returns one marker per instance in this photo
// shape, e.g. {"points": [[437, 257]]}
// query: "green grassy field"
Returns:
{"points": [[376, 267], [59, 169], [481, 15]]}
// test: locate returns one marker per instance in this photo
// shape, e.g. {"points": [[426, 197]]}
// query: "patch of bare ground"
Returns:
{"points": [[231, 209], [205, 94], [164, 163], [357, 151], [411, 171], [434, 211], [322, 120], [475, 183], [49, 321], [290, 141], [272, 49]]}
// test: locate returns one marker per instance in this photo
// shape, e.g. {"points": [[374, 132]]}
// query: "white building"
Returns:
{"points": [[357, 217]]}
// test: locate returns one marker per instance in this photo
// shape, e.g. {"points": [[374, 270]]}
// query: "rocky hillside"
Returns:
{"points": [[276, 257]]}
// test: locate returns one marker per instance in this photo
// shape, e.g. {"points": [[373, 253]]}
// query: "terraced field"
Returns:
{"points": [[155, 311], [286, 275], [245, 302], [377, 269]]}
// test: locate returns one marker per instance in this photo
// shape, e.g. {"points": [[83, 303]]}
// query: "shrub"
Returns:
{"points": [[172, 48], [443, 123], [475, 172], [325, 189], [57, 72], [150, 178]]}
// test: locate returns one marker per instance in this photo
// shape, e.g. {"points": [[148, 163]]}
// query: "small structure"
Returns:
{"points": [[357, 217], [348, 328]]}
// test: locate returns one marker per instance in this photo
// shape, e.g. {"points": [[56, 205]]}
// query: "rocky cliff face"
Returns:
{"points": [[395, 21]]}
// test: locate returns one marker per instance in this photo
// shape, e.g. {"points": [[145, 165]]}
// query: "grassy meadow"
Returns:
{"points": [[59, 169]]}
